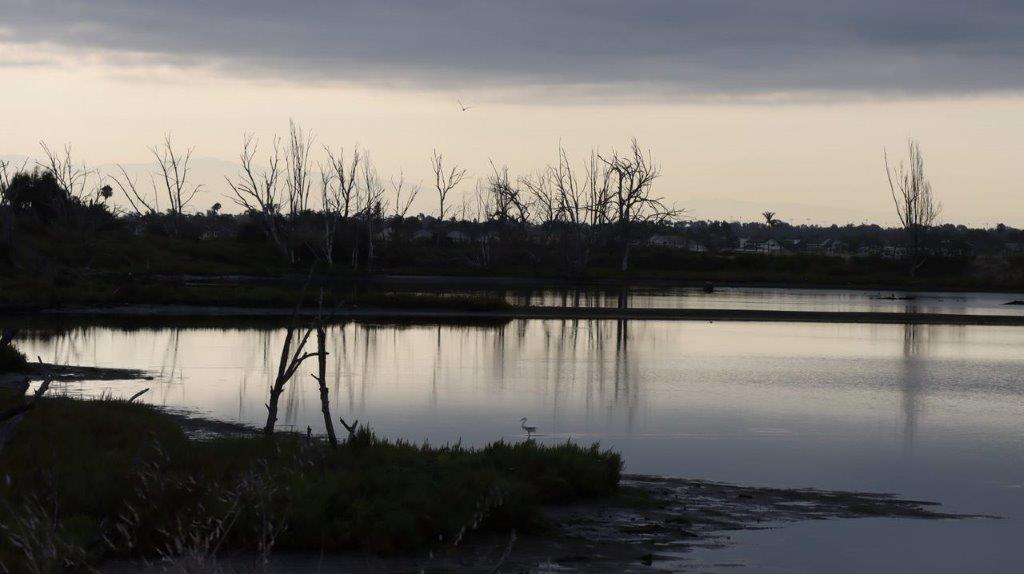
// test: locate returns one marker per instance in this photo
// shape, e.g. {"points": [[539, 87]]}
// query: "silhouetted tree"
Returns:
{"points": [[915, 204], [445, 180]]}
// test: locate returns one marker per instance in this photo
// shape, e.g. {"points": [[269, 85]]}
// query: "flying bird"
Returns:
{"points": [[529, 429], [463, 106]]}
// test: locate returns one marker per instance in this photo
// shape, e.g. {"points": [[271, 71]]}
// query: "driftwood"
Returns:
{"points": [[138, 394], [351, 428]]}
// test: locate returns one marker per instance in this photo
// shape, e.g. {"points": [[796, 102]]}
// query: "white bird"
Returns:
{"points": [[463, 106], [529, 430]]}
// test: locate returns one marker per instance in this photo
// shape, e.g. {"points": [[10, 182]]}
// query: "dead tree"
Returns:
{"points": [[330, 214], [373, 208], [291, 359], [75, 180], [403, 197], [445, 180], [345, 177], [297, 177], [141, 204], [175, 166], [345, 199], [510, 202], [321, 379], [257, 191], [632, 178], [915, 204]]}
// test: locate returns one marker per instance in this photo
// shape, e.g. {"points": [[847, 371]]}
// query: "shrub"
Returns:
{"points": [[11, 359]]}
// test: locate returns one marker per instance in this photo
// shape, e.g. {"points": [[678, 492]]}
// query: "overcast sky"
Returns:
{"points": [[746, 103]]}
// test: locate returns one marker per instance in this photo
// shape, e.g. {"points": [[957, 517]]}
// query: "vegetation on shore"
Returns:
{"points": [[11, 359], [30, 293], [88, 480], [72, 235]]}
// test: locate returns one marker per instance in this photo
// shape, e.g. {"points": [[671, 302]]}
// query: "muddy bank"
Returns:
{"points": [[69, 374], [649, 527]]}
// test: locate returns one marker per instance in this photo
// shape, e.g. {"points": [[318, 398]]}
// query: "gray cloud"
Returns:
{"points": [[685, 46]]}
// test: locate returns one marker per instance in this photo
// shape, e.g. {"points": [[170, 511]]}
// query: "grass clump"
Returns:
{"points": [[12, 360], [109, 478]]}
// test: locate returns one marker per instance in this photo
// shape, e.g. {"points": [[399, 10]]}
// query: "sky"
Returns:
{"points": [[747, 105]]}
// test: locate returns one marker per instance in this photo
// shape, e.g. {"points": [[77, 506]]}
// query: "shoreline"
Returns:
{"points": [[540, 313]]}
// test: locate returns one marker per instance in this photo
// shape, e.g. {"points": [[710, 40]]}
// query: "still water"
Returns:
{"points": [[930, 412], [772, 299]]}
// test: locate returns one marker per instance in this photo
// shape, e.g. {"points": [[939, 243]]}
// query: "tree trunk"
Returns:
{"points": [[275, 394], [325, 403]]}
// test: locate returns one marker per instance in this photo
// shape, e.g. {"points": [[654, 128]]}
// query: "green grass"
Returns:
{"points": [[105, 468]]}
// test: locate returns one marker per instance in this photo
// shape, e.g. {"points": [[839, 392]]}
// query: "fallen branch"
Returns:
{"points": [[350, 428], [10, 418], [138, 394]]}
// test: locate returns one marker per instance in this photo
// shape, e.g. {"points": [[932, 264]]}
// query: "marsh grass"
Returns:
{"points": [[119, 479], [12, 360], [37, 293]]}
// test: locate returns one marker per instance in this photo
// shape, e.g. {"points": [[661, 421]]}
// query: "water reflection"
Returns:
{"points": [[935, 412]]}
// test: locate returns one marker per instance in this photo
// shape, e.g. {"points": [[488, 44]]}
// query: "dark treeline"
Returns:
{"points": [[597, 217]]}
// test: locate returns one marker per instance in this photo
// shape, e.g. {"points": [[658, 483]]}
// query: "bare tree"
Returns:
{"points": [[329, 198], [912, 196], [321, 376], [345, 178], [403, 196], [175, 166], [292, 356], [632, 178], [509, 200], [373, 208], [445, 180], [76, 180], [543, 198], [297, 177], [257, 190], [141, 204]]}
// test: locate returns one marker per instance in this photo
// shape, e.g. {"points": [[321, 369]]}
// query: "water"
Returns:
{"points": [[774, 299], [930, 412]]}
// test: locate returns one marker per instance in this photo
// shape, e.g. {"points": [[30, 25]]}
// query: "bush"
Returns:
{"points": [[11, 359]]}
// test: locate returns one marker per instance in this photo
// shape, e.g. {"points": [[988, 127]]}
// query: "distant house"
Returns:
{"points": [[670, 241], [696, 247], [386, 234], [891, 252], [870, 250], [422, 235], [829, 247], [769, 247]]}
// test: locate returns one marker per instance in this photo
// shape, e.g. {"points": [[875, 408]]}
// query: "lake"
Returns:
{"points": [[928, 412]]}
